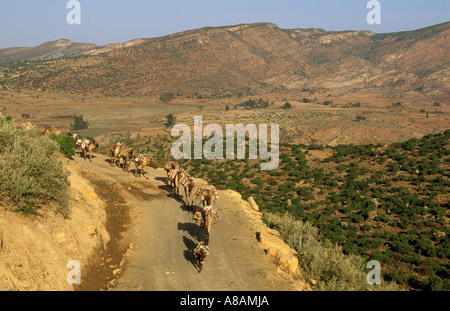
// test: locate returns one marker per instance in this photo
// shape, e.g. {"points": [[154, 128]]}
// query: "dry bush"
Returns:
{"points": [[31, 172], [322, 261]]}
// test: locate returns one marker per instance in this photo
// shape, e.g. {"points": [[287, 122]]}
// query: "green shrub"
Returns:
{"points": [[435, 283], [286, 106], [66, 144], [31, 172]]}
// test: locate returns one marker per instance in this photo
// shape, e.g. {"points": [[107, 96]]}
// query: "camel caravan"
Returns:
{"points": [[205, 214], [118, 151], [83, 145], [177, 178], [28, 126]]}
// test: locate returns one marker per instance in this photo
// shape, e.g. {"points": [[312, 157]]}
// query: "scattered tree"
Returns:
{"points": [[286, 106], [166, 97], [79, 123], [170, 120]]}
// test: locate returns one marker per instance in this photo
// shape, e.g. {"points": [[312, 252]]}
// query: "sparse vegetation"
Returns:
{"points": [[167, 97], [252, 104], [383, 203], [320, 260]]}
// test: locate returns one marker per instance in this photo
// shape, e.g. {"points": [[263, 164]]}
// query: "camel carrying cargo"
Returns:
{"points": [[201, 251]]}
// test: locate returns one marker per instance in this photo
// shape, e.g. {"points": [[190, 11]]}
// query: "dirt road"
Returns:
{"points": [[164, 234]]}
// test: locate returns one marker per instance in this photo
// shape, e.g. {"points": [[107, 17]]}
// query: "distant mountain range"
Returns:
{"points": [[231, 60], [46, 51]]}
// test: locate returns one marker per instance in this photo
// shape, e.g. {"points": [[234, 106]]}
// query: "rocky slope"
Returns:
{"points": [[225, 61]]}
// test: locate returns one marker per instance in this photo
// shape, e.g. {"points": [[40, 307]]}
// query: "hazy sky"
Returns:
{"points": [[32, 22]]}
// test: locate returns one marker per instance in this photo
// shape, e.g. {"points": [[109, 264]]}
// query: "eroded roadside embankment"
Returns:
{"points": [[35, 250]]}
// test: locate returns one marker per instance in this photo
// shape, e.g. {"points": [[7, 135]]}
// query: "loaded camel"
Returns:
{"points": [[127, 157], [87, 146], [27, 126], [47, 130], [206, 213], [200, 253], [207, 196], [203, 215], [114, 151], [169, 167], [78, 142], [145, 161], [206, 216], [188, 183], [173, 179]]}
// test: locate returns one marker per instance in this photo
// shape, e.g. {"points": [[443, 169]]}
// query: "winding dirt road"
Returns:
{"points": [[164, 234]]}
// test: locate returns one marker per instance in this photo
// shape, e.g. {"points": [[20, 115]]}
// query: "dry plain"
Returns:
{"points": [[307, 123]]}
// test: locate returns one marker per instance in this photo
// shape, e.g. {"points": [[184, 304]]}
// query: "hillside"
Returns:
{"points": [[46, 51], [388, 203], [247, 59]]}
